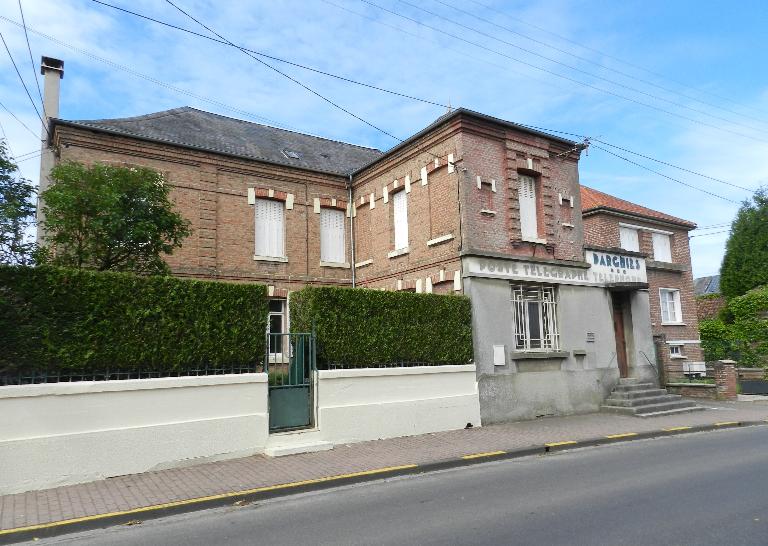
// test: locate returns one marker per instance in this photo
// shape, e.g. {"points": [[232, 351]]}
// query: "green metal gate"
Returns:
{"points": [[290, 366]]}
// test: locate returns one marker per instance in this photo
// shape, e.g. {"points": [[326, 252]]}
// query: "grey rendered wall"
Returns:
{"points": [[532, 388], [643, 357]]}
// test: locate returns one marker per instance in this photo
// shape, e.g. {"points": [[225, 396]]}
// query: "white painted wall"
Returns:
{"points": [[374, 403], [66, 433]]}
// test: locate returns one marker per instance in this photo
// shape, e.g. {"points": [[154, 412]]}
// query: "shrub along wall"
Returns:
{"points": [[359, 327], [74, 321]]}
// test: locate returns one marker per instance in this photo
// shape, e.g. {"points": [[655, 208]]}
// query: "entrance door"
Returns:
{"points": [[619, 304]]}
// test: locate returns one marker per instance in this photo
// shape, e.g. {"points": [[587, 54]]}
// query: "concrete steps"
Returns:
{"points": [[631, 397]]}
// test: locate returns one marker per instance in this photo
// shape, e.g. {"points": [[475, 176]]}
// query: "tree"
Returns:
{"points": [[108, 217], [17, 212], [745, 265]]}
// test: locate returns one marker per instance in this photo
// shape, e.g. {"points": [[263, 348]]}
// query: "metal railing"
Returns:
{"points": [[33, 377]]}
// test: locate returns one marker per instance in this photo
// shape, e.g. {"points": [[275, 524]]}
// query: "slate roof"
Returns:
{"points": [[202, 130], [706, 285], [593, 201]]}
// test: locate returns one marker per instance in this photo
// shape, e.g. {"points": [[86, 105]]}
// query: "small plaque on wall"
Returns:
{"points": [[499, 355]]}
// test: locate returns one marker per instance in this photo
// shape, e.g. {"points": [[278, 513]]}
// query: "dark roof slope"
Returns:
{"points": [[213, 132], [593, 200], [706, 285]]}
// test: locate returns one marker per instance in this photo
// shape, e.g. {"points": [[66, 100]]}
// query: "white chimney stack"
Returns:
{"points": [[52, 71]]}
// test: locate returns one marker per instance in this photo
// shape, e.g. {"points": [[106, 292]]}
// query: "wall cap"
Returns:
{"points": [[91, 387], [380, 372]]}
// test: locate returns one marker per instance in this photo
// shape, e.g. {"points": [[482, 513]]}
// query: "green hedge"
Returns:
{"points": [[359, 327], [741, 331], [75, 321]]}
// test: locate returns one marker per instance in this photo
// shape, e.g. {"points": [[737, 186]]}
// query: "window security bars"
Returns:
{"points": [[534, 310]]}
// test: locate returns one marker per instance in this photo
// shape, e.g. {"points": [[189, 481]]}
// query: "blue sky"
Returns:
{"points": [[697, 67]]}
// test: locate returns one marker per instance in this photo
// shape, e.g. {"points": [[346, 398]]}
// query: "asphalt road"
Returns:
{"points": [[709, 488]]}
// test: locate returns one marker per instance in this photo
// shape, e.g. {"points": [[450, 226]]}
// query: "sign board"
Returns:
{"points": [[604, 268]]}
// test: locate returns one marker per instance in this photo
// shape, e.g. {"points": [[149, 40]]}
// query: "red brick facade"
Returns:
{"points": [[601, 229], [468, 202]]}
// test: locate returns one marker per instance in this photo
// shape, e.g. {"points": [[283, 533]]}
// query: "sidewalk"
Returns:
{"points": [[226, 481]]}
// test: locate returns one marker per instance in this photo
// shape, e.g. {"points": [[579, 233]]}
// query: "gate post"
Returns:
{"points": [[726, 380]]}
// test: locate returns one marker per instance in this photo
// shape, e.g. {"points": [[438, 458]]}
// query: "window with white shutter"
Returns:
{"points": [[662, 249], [671, 313], [270, 228], [400, 204], [332, 236], [527, 197], [629, 239]]}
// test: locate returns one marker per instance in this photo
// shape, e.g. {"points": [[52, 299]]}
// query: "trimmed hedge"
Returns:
{"points": [[360, 328], [75, 321]]}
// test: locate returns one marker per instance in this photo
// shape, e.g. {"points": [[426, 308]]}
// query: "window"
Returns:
{"points": [[270, 228], [534, 311], [676, 351], [276, 325], [662, 250], [629, 239], [527, 197], [332, 243], [670, 306], [400, 203]]}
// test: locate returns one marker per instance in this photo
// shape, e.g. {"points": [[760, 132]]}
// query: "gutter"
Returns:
{"points": [[351, 230]]}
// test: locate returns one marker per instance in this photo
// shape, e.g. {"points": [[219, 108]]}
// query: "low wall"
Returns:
{"points": [[66, 433], [693, 390], [373, 403]]}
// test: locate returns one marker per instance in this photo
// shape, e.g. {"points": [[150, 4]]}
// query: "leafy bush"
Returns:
{"points": [[360, 328], [77, 321], [741, 332]]}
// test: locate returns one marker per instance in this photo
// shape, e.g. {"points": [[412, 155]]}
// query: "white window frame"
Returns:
{"points": [[400, 219], [333, 242], [269, 233], [629, 239], [278, 356], [540, 299], [664, 304], [658, 246], [676, 352], [526, 196]]}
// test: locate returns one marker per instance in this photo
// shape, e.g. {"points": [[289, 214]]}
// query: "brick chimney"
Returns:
{"points": [[52, 71]]}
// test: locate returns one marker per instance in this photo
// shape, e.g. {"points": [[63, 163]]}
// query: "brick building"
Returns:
{"points": [[612, 223], [471, 204]]}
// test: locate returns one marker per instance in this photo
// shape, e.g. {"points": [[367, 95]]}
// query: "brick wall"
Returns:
{"points": [[491, 221], [602, 229], [434, 236], [709, 306], [211, 191]]}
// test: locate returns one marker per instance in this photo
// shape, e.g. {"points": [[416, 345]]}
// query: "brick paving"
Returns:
{"points": [[139, 490]]}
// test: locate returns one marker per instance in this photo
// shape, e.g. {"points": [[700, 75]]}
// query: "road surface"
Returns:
{"points": [[708, 488]]}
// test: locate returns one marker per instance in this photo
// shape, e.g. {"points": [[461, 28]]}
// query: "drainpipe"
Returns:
{"points": [[351, 230], [53, 71]]}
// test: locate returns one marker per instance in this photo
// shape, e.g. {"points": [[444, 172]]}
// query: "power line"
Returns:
{"points": [[622, 61], [646, 82], [149, 78], [666, 176], [675, 166], [272, 57], [712, 226], [31, 60], [706, 234], [558, 75], [22, 82], [329, 101], [14, 116], [158, 82]]}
